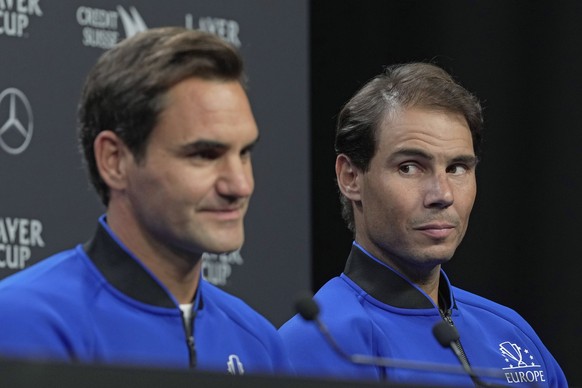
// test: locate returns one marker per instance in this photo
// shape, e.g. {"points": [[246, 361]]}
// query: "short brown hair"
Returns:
{"points": [[401, 86], [125, 91]]}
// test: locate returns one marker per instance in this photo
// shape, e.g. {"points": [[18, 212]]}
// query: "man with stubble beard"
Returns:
{"points": [[167, 133], [407, 148]]}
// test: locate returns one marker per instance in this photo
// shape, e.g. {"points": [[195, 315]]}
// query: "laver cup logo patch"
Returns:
{"points": [[15, 121], [521, 364]]}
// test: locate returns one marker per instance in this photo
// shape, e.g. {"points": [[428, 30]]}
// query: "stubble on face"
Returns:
{"points": [[418, 193], [190, 193]]}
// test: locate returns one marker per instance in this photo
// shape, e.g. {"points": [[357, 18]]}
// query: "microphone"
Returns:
{"points": [[448, 336], [309, 310]]}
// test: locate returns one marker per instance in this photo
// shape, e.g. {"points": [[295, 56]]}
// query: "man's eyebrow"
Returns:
{"points": [[252, 144], [201, 145], [412, 152], [470, 160], [206, 144]]}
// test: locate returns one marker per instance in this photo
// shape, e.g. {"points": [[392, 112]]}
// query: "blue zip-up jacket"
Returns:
{"points": [[98, 304], [372, 310]]}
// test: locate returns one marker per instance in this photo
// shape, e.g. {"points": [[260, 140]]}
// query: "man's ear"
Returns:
{"points": [[348, 177], [111, 156]]}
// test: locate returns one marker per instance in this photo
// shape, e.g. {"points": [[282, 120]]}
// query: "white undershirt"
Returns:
{"points": [[187, 311]]}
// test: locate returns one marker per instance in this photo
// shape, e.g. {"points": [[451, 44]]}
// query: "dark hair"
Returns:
{"points": [[125, 91], [401, 86]]}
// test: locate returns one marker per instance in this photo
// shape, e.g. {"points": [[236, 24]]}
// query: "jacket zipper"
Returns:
{"points": [[447, 318], [189, 330]]}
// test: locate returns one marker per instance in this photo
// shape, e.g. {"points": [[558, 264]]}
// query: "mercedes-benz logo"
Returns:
{"points": [[15, 121]]}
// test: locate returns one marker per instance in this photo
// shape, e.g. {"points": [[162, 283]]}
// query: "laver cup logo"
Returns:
{"points": [[217, 268], [17, 236], [15, 121], [227, 29], [522, 366], [15, 16]]}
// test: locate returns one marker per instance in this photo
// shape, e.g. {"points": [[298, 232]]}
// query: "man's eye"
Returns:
{"points": [[205, 154], [458, 169], [248, 150], [409, 169]]}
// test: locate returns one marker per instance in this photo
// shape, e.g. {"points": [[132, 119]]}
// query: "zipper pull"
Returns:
{"points": [[192, 351]]}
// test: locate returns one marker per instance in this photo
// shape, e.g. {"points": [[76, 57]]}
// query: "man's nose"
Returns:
{"points": [[236, 178], [439, 193]]}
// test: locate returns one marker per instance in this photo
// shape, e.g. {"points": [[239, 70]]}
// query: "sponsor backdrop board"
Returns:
{"points": [[46, 201]]}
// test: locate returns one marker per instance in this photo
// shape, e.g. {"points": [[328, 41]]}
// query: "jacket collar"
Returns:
{"points": [[125, 272], [388, 286]]}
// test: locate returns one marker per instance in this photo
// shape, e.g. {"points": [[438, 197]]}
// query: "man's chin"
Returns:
{"points": [[434, 257], [221, 252], [222, 240], [442, 252], [219, 248]]}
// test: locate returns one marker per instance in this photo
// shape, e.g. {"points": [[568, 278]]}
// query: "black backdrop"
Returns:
{"points": [[523, 59]]}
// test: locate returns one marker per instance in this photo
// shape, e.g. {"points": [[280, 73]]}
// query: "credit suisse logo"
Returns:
{"points": [[102, 27]]}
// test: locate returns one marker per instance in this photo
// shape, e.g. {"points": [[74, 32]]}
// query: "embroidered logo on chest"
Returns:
{"points": [[521, 364], [235, 366]]}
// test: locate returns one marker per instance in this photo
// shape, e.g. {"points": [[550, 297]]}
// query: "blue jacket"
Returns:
{"points": [[372, 310], [97, 304]]}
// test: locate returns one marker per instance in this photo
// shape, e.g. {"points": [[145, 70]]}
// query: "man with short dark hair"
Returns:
{"points": [[167, 133], [407, 147]]}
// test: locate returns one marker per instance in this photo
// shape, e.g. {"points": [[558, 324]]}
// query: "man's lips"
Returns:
{"points": [[227, 213], [436, 230]]}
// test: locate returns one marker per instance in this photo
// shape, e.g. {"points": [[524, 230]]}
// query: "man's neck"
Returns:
{"points": [[430, 285], [426, 277], [177, 271]]}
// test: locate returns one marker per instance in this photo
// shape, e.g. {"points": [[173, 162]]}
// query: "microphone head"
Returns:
{"points": [[445, 333], [307, 308]]}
